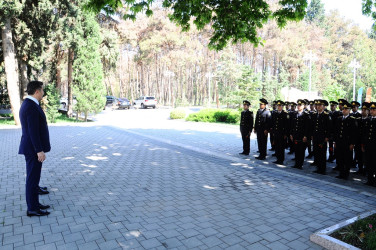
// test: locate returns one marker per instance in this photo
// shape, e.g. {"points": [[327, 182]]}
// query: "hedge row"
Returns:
{"points": [[215, 115]]}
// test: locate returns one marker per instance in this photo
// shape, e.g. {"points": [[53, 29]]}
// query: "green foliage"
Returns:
{"points": [[52, 103], [370, 241], [215, 115], [88, 72], [315, 12], [178, 113], [9, 8], [361, 234], [61, 118], [231, 20], [334, 92], [6, 120]]}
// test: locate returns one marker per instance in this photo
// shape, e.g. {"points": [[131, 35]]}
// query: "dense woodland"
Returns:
{"points": [[90, 55]]}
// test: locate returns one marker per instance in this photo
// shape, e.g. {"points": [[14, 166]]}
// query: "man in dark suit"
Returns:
{"points": [[262, 128], [246, 127], [35, 142]]}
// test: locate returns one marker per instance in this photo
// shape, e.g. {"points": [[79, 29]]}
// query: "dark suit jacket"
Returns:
{"points": [[35, 136]]}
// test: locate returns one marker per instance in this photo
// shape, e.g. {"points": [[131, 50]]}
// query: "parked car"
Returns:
{"points": [[64, 103], [124, 103], [145, 102], [111, 102]]}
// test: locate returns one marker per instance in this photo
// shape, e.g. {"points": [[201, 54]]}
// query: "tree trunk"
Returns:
{"points": [[70, 80], [58, 57], [11, 69], [23, 78]]}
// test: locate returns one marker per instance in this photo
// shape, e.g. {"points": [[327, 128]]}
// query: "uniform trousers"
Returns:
{"points": [[344, 158], [319, 152], [262, 141]]}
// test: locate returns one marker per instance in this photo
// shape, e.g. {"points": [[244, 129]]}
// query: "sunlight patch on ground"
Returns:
{"points": [[134, 234], [248, 183], [96, 158], [89, 166], [68, 158], [116, 154], [209, 187]]}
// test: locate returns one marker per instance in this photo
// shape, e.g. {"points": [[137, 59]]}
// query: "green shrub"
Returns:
{"points": [[51, 103], [215, 115], [178, 113], [370, 241]]}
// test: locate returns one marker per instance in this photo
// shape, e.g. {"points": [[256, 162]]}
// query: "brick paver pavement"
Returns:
{"points": [[112, 189]]}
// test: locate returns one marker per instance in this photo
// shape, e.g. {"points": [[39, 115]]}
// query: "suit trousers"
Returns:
{"points": [[33, 171], [262, 142], [300, 148], [319, 152]]}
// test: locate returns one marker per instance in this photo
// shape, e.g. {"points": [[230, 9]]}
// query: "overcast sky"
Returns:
{"points": [[351, 9]]}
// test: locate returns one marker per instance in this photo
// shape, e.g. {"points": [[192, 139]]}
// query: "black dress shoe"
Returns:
{"points": [[290, 153], [260, 158], [341, 177], [42, 192], [43, 188], [243, 153], [309, 156], [319, 172], [278, 162], [37, 213], [44, 207], [313, 164]]}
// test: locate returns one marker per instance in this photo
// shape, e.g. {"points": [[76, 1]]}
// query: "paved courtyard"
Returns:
{"points": [[139, 181]]}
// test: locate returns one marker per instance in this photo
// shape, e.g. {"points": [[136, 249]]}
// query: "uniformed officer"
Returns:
{"points": [[345, 136], [321, 133], [246, 127], [334, 114], [271, 133], [280, 125], [300, 132], [361, 124], [290, 143], [357, 148], [369, 144], [312, 111], [262, 125], [287, 106]]}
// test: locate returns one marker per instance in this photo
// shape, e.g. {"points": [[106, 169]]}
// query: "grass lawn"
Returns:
{"points": [[8, 120]]}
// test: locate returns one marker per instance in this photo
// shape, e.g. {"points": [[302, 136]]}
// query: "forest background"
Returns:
{"points": [[89, 56]]}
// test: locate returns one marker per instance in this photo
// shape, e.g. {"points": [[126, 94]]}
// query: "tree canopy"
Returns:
{"points": [[231, 20]]}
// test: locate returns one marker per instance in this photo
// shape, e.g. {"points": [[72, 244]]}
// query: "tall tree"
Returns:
{"points": [[315, 12], [8, 10], [88, 70]]}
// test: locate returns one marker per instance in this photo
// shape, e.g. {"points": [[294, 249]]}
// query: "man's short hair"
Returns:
{"points": [[33, 86]]}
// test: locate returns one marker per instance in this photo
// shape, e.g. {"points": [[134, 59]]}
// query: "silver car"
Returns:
{"points": [[145, 102]]}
